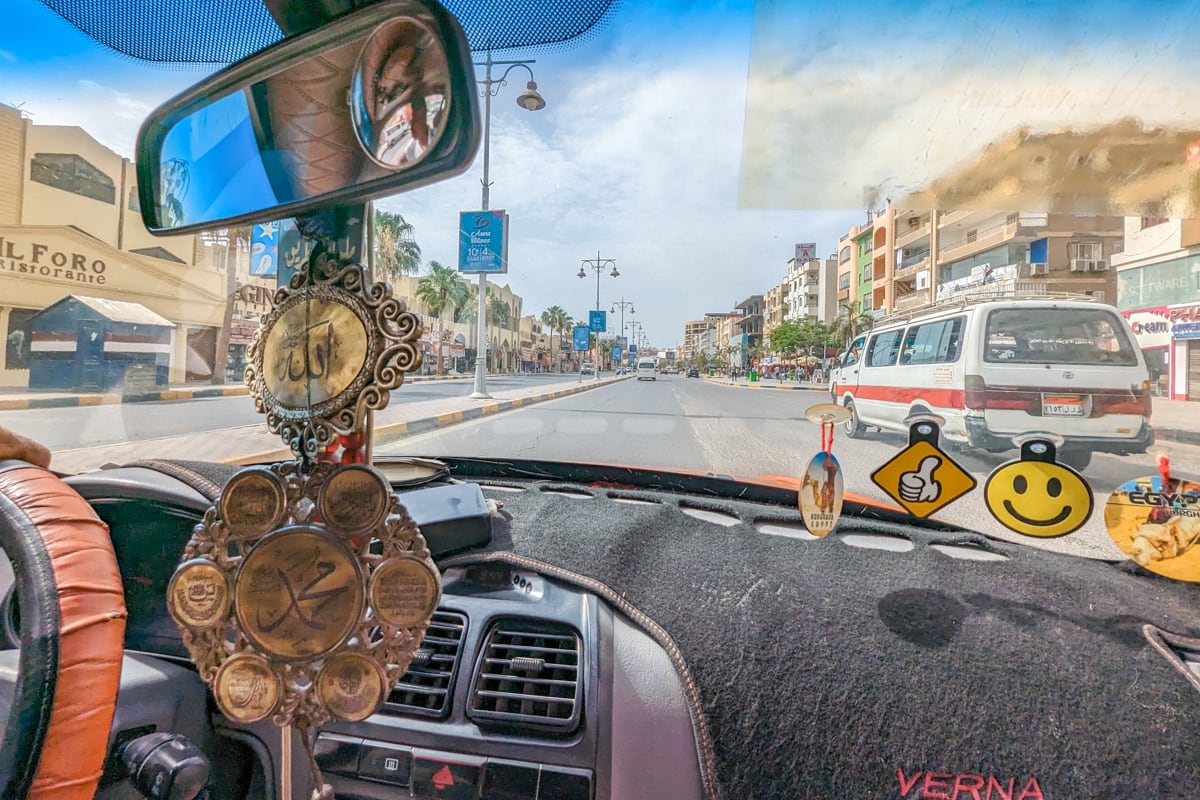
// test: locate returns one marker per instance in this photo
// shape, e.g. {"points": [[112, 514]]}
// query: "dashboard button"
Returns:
{"points": [[510, 780], [565, 784], [337, 754], [385, 762], [443, 775]]}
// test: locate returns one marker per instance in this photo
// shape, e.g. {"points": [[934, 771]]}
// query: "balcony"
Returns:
{"points": [[950, 217], [907, 235], [912, 265], [843, 294], [913, 300]]}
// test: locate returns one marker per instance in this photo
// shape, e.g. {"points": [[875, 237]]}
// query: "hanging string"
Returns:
{"points": [[827, 436], [1164, 469]]}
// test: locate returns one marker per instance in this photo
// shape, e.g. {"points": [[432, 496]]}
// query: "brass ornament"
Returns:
{"points": [[332, 348], [253, 502], [301, 601], [354, 499]]}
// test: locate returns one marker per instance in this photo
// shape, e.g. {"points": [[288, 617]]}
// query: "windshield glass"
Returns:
{"points": [[724, 195]]}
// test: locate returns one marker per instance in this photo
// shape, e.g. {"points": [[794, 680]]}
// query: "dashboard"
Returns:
{"points": [[525, 687]]}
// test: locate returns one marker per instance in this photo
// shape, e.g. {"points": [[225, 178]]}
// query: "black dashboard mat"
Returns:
{"points": [[831, 671]]}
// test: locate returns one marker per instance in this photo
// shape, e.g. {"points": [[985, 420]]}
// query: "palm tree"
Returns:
{"points": [[552, 318], [851, 322], [442, 287], [396, 249]]}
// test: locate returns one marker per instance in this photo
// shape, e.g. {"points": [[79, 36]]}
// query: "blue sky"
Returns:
{"points": [[697, 148]]}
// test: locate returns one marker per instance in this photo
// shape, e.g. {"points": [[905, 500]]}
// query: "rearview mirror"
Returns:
{"points": [[378, 101]]}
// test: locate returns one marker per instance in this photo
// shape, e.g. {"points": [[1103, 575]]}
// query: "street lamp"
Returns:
{"points": [[598, 264], [530, 100]]}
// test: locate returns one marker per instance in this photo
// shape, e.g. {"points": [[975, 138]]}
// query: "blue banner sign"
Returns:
{"points": [[581, 337], [264, 250], [616, 354], [633, 349], [483, 242], [622, 341], [597, 322]]}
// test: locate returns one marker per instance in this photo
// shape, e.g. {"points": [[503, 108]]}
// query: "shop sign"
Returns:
{"points": [[242, 331], [1156, 327], [41, 260]]}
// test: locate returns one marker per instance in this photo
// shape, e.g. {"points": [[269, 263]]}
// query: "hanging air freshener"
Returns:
{"points": [[1155, 521], [1035, 495], [821, 486]]}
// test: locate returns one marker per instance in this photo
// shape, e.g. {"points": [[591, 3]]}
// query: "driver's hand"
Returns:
{"points": [[14, 445]]}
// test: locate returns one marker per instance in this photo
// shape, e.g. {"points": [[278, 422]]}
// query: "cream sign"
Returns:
{"points": [[1151, 327], [42, 260]]}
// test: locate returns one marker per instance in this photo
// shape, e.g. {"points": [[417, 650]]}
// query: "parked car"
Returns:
{"points": [[587, 369], [693, 372]]}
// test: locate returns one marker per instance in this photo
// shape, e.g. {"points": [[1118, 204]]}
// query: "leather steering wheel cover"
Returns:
{"points": [[72, 637]]}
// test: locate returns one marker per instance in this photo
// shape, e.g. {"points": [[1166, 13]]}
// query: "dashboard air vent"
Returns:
{"points": [[425, 689], [529, 676]]}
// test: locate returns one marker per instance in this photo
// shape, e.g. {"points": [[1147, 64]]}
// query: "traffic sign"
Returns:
{"points": [[580, 337], [597, 322], [922, 478]]}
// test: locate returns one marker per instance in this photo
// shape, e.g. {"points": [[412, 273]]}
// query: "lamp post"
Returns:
{"points": [[598, 264], [530, 100]]}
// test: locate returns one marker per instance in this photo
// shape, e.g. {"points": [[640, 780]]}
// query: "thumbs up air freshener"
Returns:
{"points": [[821, 487], [921, 477]]}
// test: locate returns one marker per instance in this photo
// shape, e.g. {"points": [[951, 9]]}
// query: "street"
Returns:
{"points": [[89, 426], [693, 424]]}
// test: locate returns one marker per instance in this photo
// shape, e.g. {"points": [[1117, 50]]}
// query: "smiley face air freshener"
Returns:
{"points": [[1037, 496], [821, 487]]}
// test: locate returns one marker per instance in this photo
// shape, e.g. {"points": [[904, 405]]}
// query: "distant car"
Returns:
{"points": [[645, 370], [693, 372], [587, 369]]}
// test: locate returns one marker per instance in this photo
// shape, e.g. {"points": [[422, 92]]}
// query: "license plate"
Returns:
{"points": [[1071, 406]]}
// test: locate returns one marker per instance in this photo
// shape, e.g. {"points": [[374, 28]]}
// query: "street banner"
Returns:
{"points": [[616, 353], [597, 322], [633, 349], [264, 250], [483, 242], [580, 340], [623, 341], [670, 355]]}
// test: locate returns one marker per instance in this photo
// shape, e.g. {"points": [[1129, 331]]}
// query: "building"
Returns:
{"points": [[812, 290], [692, 333], [775, 307], [864, 258], [1158, 290]]}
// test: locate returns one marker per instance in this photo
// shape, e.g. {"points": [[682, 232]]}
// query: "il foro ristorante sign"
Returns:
{"points": [[43, 261]]}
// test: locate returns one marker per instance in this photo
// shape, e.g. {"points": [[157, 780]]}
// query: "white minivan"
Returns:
{"points": [[997, 369], [645, 370]]}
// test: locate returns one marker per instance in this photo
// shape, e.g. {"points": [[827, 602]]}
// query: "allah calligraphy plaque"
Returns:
{"points": [[298, 594], [352, 686], [332, 347], [247, 688], [253, 502], [198, 594], [354, 499]]}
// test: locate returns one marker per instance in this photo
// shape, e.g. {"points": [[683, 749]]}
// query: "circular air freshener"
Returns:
{"points": [[1157, 524]]}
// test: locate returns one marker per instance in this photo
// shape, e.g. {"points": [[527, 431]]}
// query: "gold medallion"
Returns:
{"points": [[354, 499], [253, 502], [198, 594], [298, 594], [352, 686], [405, 591], [314, 351], [246, 688]]}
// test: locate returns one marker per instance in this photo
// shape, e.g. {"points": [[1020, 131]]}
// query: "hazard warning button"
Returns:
{"points": [[445, 775]]}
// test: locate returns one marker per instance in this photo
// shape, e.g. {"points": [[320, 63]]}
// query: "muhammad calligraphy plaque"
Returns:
{"points": [[354, 499], [246, 688], [299, 594], [198, 594], [352, 686], [404, 591], [254, 502]]}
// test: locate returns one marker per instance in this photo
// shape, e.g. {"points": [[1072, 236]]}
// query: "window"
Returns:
{"points": [[844, 255], [933, 342], [844, 281], [883, 349], [852, 354], [1150, 222], [1057, 336], [1088, 251], [17, 338]]}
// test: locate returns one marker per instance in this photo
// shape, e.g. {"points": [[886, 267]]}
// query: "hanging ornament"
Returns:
{"points": [[1155, 521], [822, 487]]}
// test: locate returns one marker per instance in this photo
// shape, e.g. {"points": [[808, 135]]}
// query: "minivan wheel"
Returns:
{"points": [[1077, 460], [854, 427]]}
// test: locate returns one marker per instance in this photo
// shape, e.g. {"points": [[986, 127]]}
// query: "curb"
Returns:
{"points": [[1177, 435], [77, 400], [399, 430], [720, 382]]}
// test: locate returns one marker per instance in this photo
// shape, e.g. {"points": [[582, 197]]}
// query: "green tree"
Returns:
{"points": [[396, 250], [440, 288], [553, 318], [851, 322], [497, 309]]}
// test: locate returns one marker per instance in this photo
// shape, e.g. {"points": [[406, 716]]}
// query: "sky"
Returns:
{"points": [[697, 142]]}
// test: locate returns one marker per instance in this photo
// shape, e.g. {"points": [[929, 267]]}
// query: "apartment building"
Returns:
{"points": [[811, 290], [692, 333]]}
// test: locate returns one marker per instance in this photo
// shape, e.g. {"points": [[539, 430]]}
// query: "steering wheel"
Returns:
{"points": [[72, 638]]}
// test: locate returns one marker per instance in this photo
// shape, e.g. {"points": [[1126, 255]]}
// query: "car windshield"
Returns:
{"points": [[980, 215]]}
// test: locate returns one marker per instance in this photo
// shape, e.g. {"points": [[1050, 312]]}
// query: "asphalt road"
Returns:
{"points": [[89, 426], [693, 424]]}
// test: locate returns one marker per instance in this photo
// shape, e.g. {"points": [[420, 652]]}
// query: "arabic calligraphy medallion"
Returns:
{"points": [[246, 688], [352, 686], [314, 351], [354, 499], [254, 501], [198, 594]]}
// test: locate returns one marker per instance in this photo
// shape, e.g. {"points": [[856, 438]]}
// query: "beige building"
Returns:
{"points": [[693, 331]]}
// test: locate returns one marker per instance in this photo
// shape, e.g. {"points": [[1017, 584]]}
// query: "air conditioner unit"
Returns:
{"points": [[1088, 265], [1039, 269], [914, 222], [1099, 266]]}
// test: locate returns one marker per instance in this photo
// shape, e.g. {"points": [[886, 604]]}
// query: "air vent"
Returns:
{"points": [[426, 688], [528, 677]]}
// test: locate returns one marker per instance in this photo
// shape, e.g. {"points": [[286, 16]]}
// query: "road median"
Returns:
{"points": [[760, 385], [249, 444]]}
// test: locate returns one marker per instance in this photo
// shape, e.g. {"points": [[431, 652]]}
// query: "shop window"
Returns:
{"points": [[17, 338], [74, 174]]}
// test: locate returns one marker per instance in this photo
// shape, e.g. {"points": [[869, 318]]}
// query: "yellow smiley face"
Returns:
{"points": [[1038, 498]]}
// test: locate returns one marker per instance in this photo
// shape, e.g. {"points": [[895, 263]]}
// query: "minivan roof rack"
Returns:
{"points": [[975, 297]]}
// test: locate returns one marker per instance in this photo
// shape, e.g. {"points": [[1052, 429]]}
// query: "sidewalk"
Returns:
{"points": [[767, 383], [247, 444], [1175, 420], [20, 399]]}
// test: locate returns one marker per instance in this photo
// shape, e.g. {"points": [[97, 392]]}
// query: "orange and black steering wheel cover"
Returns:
{"points": [[72, 637]]}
